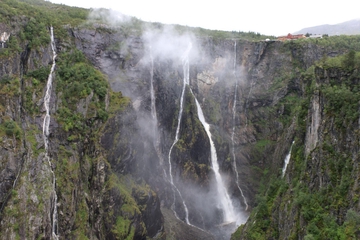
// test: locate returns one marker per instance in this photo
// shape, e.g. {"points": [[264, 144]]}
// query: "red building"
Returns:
{"points": [[291, 37]]}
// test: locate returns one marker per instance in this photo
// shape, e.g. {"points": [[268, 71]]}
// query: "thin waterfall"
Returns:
{"points": [[156, 136], [152, 92], [287, 159], [222, 194], [233, 132], [185, 61], [46, 125]]}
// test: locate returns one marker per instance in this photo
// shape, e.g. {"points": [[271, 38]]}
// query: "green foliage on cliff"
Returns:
{"points": [[337, 43], [133, 197], [41, 11], [29, 21], [78, 81], [342, 103], [11, 129], [321, 195], [121, 229], [9, 86]]}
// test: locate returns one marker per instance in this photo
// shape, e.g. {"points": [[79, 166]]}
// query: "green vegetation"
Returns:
{"points": [[342, 103], [324, 208], [340, 43], [9, 89], [43, 11], [78, 80], [316, 207], [342, 94], [12, 129], [326, 212], [129, 192], [9, 86], [121, 229], [219, 34], [34, 18]]}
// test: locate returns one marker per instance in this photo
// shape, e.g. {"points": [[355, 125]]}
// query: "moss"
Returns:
{"points": [[124, 185], [117, 103], [262, 144], [237, 234], [130, 193], [30, 136], [10, 86], [10, 128], [123, 229], [81, 221]]}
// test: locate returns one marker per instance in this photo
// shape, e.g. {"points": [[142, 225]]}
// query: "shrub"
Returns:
{"points": [[12, 129]]}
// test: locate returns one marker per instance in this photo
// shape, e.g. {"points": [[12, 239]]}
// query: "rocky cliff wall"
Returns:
{"points": [[269, 78], [318, 198], [111, 157]]}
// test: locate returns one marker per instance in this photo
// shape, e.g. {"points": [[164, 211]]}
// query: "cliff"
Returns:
{"points": [[128, 155]]}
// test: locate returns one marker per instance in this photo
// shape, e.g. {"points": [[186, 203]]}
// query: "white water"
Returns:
{"points": [[223, 196], [186, 80], [46, 125], [156, 136], [287, 159], [152, 92], [233, 132]]}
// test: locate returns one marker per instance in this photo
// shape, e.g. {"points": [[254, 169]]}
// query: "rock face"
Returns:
{"points": [[116, 177]]}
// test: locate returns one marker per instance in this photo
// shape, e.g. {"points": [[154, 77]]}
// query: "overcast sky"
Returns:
{"points": [[276, 17]]}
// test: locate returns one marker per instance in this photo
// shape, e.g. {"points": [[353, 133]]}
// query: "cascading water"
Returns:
{"points": [[233, 132], [156, 136], [222, 194], [185, 61], [152, 92], [46, 125], [287, 159]]}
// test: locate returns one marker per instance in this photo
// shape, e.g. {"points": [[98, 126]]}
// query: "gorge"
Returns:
{"points": [[135, 130]]}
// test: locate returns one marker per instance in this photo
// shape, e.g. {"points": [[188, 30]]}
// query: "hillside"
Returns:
{"points": [[346, 28]]}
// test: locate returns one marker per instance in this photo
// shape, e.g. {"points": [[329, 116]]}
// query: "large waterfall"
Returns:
{"points": [[46, 125], [223, 196], [185, 61], [233, 131]]}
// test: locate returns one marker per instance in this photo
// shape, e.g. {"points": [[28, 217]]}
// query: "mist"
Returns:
{"points": [[149, 69]]}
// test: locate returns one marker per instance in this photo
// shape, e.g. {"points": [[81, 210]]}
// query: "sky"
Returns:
{"points": [[276, 17]]}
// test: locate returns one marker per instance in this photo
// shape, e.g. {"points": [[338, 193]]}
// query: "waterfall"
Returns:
{"points": [[233, 132], [46, 125], [185, 61], [287, 159], [222, 194], [156, 136], [152, 92]]}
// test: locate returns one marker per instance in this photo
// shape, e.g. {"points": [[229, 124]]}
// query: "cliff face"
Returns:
{"points": [[317, 197], [92, 200], [271, 79], [131, 158]]}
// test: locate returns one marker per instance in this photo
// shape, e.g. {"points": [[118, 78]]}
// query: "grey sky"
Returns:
{"points": [[276, 17]]}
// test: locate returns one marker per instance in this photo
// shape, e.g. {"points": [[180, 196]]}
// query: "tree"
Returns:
{"points": [[349, 60]]}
